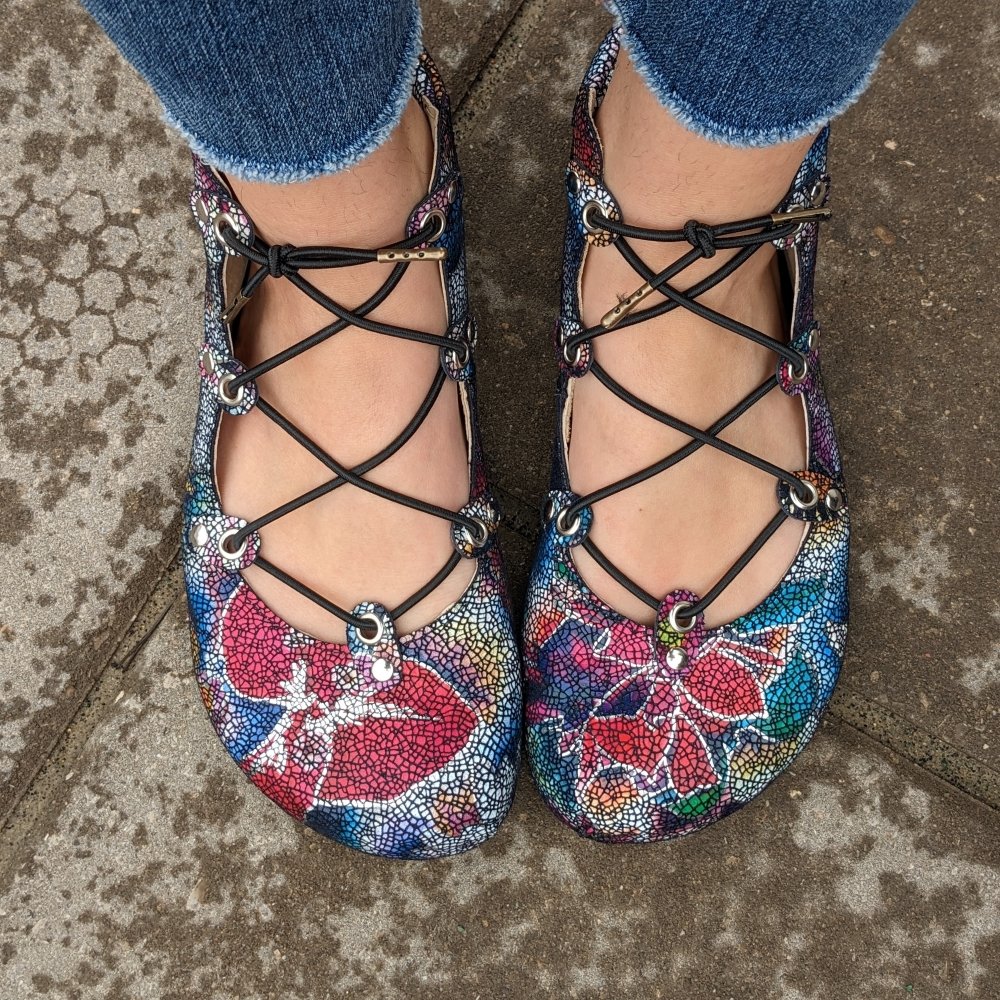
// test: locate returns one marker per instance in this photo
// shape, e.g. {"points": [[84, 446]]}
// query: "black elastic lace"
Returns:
{"points": [[746, 237], [287, 262]]}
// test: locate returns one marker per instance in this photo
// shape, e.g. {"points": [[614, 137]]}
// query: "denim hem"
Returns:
{"points": [[290, 171], [687, 113]]}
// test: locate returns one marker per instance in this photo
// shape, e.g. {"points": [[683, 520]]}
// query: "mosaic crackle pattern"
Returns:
{"points": [[406, 748], [639, 733]]}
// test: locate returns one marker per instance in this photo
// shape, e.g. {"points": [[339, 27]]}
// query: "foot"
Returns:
{"points": [[352, 395], [685, 527]]}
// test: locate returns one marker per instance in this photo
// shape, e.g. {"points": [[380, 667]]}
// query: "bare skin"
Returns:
{"points": [[685, 527], [352, 394]]}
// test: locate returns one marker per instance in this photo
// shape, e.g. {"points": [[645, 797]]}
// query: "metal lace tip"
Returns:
{"points": [[390, 255], [232, 311], [800, 215], [620, 311]]}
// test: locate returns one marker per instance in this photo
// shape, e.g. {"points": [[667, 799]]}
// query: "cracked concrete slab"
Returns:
{"points": [[156, 871], [100, 309]]}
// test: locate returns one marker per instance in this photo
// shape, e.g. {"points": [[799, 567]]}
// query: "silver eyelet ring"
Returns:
{"points": [[224, 395], [589, 208], [369, 619], [810, 500], [567, 530], [797, 377], [223, 217], [818, 192], [462, 352], [228, 553], [813, 341], [834, 499], [674, 617], [577, 354], [435, 213], [481, 535]]}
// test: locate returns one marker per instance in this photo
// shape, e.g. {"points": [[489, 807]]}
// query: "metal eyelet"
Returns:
{"points": [[573, 181], [567, 530], [462, 352], [818, 192], [224, 395], [435, 213], [585, 214], [813, 341], [577, 354], [481, 536], [797, 377], [228, 553], [223, 217], [834, 500], [676, 622], [812, 495], [379, 629]]}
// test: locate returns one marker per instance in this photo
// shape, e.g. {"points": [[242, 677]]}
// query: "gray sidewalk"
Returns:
{"points": [[135, 861]]}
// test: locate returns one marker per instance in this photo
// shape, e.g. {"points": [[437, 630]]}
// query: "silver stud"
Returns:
{"points": [[198, 535], [676, 658], [834, 499], [382, 670], [813, 338], [208, 361]]}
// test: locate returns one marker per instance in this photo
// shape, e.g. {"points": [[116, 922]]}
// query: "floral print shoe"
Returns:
{"points": [[398, 745], [643, 733]]}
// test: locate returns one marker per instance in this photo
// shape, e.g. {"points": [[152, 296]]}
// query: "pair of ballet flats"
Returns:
{"points": [[408, 746]]}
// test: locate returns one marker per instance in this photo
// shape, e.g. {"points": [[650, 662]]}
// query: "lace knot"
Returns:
{"points": [[275, 261], [700, 237]]}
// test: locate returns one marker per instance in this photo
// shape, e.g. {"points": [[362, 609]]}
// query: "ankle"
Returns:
{"points": [[367, 204], [663, 174]]}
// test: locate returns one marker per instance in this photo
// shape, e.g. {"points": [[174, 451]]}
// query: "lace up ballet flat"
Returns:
{"points": [[643, 733], [398, 745]]}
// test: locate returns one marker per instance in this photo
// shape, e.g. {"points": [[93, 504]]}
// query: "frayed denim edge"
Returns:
{"points": [[689, 116], [288, 173]]}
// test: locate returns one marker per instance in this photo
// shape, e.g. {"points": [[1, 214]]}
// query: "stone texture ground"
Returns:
{"points": [[134, 859]]}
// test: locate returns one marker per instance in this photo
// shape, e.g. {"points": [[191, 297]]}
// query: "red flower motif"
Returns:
{"points": [[336, 740], [658, 720]]}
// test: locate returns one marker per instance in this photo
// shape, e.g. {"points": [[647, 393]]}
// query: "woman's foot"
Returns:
{"points": [[684, 528], [352, 395]]}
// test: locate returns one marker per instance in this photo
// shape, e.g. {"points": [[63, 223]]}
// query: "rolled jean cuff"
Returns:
{"points": [[756, 75], [287, 92]]}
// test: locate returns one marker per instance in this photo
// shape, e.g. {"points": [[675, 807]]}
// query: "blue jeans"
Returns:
{"points": [[283, 90]]}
